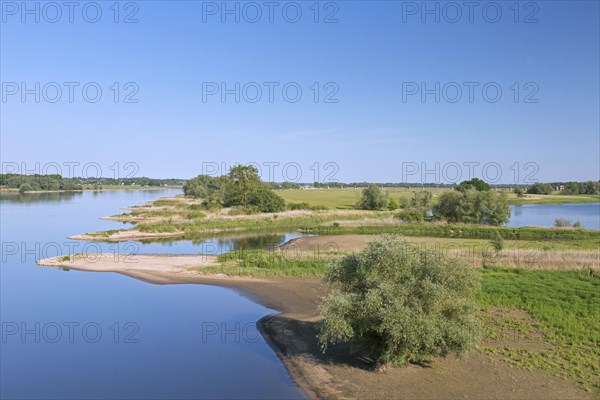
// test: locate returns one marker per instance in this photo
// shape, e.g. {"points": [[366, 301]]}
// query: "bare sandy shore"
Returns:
{"points": [[122, 236], [338, 374]]}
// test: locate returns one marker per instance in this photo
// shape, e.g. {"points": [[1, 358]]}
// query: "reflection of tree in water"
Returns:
{"points": [[250, 242], [38, 197], [517, 211], [225, 244]]}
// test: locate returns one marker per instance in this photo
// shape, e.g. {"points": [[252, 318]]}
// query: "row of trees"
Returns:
{"points": [[28, 183], [570, 188], [473, 207], [241, 187], [471, 202]]}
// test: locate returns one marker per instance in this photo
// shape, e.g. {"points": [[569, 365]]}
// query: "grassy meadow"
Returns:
{"points": [[348, 197]]}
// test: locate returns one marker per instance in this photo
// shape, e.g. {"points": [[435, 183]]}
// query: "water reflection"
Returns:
{"points": [[169, 356], [44, 197]]}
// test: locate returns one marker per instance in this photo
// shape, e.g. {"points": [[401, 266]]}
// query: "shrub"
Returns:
{"points": [[475, 183], [298, 206], [401, 303], [473, 207], [497, 241], [373, 198], [410, 215], [265, 200], [194, 215], [540, 188], [404, 202], [562, 223], [566, 223], [422, 199], [208, 205], [393, 204]]}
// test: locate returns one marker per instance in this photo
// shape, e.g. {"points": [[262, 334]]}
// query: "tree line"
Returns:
{"points": [[37, 182], [567, 188], [471, 202], [28, 183]]}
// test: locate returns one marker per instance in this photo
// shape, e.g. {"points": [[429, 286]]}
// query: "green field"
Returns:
{"points": [[347, 198], [564, 310]]}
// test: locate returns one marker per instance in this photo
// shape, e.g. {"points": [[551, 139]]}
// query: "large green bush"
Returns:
{"points": [[410, 215], [373, 198], [401, 303], [540, 188], [265, 200], [473, 207]]}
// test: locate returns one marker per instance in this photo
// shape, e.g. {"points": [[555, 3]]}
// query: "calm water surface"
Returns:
{"points": [[70, 334], [545, 214]]}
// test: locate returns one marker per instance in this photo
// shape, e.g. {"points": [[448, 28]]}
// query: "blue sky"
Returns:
{"points": [[371, 58]]}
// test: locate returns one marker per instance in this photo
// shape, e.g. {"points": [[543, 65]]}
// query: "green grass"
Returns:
{"points": [[341, 198], [264, 263], [484, 244], [268, 223], [554, 199], [462, 231], [105, 234], [565, 306], [347, 198]]}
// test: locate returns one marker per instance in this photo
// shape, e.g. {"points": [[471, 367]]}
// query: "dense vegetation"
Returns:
{"points": [[461, 231], [540, 188], [402, 303], [474, 207], [373, 198], [241, 187], [137, 181], [566, 188], [475, 184], [28, 183]]}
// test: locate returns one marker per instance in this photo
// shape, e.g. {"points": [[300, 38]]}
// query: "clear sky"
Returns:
{"points": [[371, 61]]}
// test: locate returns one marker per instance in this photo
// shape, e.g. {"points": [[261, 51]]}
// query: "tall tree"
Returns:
{"points": [[244, 179]]}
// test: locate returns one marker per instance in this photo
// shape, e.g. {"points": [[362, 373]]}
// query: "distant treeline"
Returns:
{"points": [[28, 183], [56, 182], [588, 187], [141, 181]]}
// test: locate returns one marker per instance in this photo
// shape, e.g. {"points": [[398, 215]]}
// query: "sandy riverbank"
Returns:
{"points": [[123, 236], [337, 374]]}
